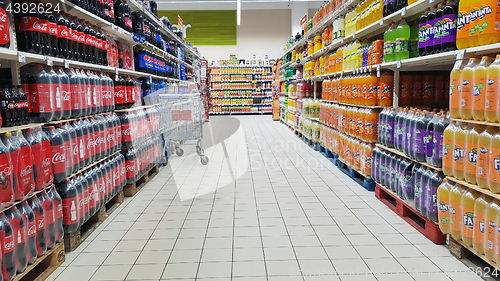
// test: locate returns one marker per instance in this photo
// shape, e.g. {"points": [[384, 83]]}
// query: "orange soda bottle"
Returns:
{"points": [[491, 222], [385, 89], [459, 151], [494, 164], [484, 151], [455, 211], [465, 106], [479, 222], [467, 202], [455, 86], [492, 113], [479, 89], [472, 153]]}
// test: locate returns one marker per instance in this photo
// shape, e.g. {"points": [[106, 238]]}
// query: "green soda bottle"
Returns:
{"points": [[414, 39], [402, 41], [389, 44]]}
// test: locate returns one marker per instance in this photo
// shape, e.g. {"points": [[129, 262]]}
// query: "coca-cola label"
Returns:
{"points": [[47, 163], [130, 166], [53, 28], [25, 175], [120, 94], [128, 22], [40, 221], [19, 233], [43, 26], [63, 31], [30, 24], [8, 243], [81, 37], [4, 27], [70, 210], [6, 191], [41, 98], [58, 158], [31, 231]]}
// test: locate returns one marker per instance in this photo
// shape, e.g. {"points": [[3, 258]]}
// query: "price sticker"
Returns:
{"points": [[457, 64], [381, 22], [460, 54], [113, 26], [403, 12], [431, 1], [378, 70], [116, 71], [398, 65], [50, 61], [364, 68], [21, 57], [354, 34], [121, 30], [254, 82], [150, 78], [66, 63]]}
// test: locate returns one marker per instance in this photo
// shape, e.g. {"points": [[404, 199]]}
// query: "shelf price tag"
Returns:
{"points": [[431, 1], [113, 26], [398, 65], [116, 71], [50, 60], [21, 57], [381, 22], [364, 69], [457, 64], [460, 54], [378, 70], [254, 81], [403, 12], [66, 63], [121, 30], [150, 78]]}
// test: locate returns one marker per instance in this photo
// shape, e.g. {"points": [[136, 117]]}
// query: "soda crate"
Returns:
{"points": [[476, 262], [132, 189], [75, 239], [44, 265], [421, 223]]}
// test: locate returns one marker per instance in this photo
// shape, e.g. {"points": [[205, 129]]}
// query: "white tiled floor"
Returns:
{"points": [[266, 207]]}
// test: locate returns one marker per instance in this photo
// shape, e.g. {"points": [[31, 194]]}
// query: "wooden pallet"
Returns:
{"points": [[473, 260], [421, 223], [44, 265], [75, 239], [132, 189]]}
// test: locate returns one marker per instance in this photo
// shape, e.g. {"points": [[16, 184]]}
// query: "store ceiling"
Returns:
{"points": [[231, 4]]}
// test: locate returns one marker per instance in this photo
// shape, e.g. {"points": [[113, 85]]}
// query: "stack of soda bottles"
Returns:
{"points": [[30, 228], [424, 89], [84, 194], [360, 123], [437, 30], [477, 23], [155, 63], [413, 182], [142, 157], [415, 132], [362, 89], [138, 125], [127, 92], [474, 91], [471, 217], [354, 152], [14, 106]]}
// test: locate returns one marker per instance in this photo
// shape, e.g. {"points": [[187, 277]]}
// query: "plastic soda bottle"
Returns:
{"points": [[479, 222], [455, 87], [443, 199], [414, 40], [471, 153], [389, 43], [474, 21], [467, 201], [385, 89], [448, 144], [488, 31], [459, 151], [463, 26], [402, 48], [465, 106], [494, 164], [479, 89], [492, 212], [455, 211], [483, 157], [491, 113]]}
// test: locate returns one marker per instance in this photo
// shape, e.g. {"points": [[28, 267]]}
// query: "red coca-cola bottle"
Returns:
{"points": [[63, 35], [58, 212], [67, 148], [58, 152], [43, 27], [80, 144], [53, 39], [48, 175], [22, 106], [41, 231], [73, 42], [25, 162], [77, 93], [55, 93], [30, 225], [50, 218], [4, 26], [74, 147], [37, 157], [70, 207], [39, 98], [8, 249], [82, 213], [20, 234], [65, 93], [27, 30], [14, 150]]}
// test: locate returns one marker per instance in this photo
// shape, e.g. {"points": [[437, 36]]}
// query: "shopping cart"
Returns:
{"points": [[186, 123]]}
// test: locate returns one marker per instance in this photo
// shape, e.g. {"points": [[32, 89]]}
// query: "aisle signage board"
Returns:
{"points": [[179, 21]]}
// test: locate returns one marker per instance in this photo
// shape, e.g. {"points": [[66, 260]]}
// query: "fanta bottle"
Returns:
{"points": [[465, 107], [474, 22], [443, 199], [494, 164], [459, 151], [488, 23], [492, 212], [385, 89], [469, 198], [479, 222], [491, 112], [448, 144], [479, 89], [317, 42], [483, 158], [463, 26], [471, 153], [455, 211]]}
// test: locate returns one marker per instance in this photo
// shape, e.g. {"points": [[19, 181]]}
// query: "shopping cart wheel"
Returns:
{"points": [[179, 151], [200, 151], [204, 160]]}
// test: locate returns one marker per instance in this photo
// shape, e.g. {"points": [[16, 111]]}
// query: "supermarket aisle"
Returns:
{"points": [[266, 207]]}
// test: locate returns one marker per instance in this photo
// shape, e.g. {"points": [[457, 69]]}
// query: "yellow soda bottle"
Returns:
{"points": [[479, 89], [468, 200], [488, 31], [443, 199], [494, 164], [483, 156], [448, 144], [317, 42], [459, 151], [455, 211], [463, 25], [492, 212], [492, 80], [471, 153], [455, 86], [465, 107], [479, 228], [474, 23]]}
